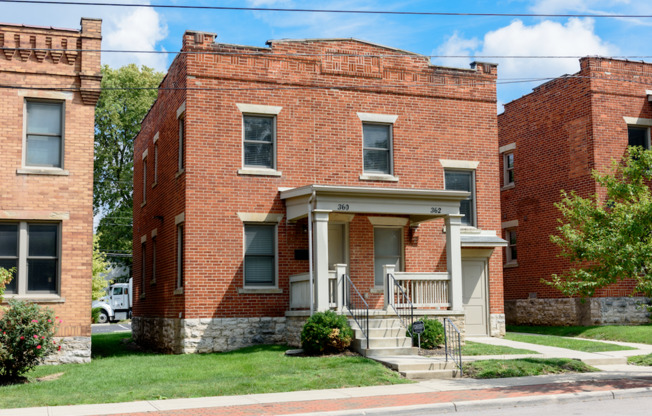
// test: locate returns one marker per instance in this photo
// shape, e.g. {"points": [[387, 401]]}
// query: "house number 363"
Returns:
{"points": [[342, 207]]}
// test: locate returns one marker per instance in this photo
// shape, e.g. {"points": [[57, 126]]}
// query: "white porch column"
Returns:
{"points": [[454, 260], [340, 271], [320, 259], [389, 287]]}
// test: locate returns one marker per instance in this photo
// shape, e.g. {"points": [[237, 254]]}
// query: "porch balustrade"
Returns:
{"points": [[425, 290], [300, 291]]}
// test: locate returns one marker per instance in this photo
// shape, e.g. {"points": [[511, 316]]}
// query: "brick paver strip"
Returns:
{"points": [[308, 406]]}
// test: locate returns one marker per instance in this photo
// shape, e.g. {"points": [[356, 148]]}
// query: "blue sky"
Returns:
{"points": [[159, 29]]}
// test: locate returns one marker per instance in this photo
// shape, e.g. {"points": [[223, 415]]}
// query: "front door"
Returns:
{"points": [[474, 296], [336, 245], [388, 249]]}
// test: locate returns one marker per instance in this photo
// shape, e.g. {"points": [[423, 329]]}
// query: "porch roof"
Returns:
{"points": [[420, 204]]}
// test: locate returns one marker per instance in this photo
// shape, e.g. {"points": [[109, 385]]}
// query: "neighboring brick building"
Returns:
{"points": [[249, 151], [48, 91], [552, 139]]}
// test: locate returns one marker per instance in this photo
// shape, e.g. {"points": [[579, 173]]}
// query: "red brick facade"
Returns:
{"points": [[562, 131], [44, 66], [443, 113]]}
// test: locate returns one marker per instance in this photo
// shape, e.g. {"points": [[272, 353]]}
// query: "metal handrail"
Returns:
{"points": [[358, 307], [454, 337], [403, 303]]}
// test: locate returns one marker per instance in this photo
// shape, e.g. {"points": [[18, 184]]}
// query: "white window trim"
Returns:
{"points": [[509, 261], [473, 190], [377, 176], [506, 183], [254, 218], [270, 111], [21, 288], [44, 170]]}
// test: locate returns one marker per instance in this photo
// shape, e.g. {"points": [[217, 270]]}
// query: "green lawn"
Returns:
{"points": [[640, 360], [565, 342], [626, 333], [524, 367], [117, 374], [477, 348]]}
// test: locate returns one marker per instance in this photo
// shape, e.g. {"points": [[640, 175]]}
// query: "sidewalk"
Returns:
{"points": [[435, 396]]}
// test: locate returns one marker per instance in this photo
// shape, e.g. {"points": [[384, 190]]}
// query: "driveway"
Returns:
{"points": [[108, 328]]}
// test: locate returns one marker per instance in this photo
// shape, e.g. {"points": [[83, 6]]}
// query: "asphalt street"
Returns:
{"points": [[108, 328]]}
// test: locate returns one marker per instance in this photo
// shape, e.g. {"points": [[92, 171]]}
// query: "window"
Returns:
{"points": [[153, 259], [259, 139], [388, 249], [638, 136], [508, 169], [143, 267], [44, 135], [182, 132], [180, 259], [463, 180], [377, 145], [144, 180], [155, 164], [33, 249], [260, 255], [510, 251]]}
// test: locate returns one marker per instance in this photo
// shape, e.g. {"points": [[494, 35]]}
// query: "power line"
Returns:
{"points": [[335, 11]]}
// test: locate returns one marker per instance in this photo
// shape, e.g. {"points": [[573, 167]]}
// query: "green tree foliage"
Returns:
{"points": [[127, 95], [5, 278], [100, 266], [608, 238]]}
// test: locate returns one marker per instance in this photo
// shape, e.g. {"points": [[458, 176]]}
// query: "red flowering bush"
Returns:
{"points": [[26, 338]]}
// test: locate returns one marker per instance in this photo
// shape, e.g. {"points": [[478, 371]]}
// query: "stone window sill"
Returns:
{"points": [[178, 291], [43, 171], [377, 289], [510, 265], [378, 177], [259, 172], [510, 186], [259, 291], [35, 298], [154, 184], [179, 173], [143, 204], [142, 296]]}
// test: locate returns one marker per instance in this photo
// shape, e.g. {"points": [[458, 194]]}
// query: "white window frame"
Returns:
{"points": [[62, 146], [256, 110], [260, 219], [474, 196], [180, 222], [509, 259], [507, 169], [21, 276], [244, 255], [379, 119]]}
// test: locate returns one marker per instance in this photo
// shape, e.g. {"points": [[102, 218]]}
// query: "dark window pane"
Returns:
{"points": [[43, 240], [259, 128], [376, 135], [259, 270], [8, 264], [466, 208], [637, 136], [260, 267], [258, 154], [8, 240], [376, 161], [42, 275], [458, 181], [259, 239], [43, 151], [513, 248]]}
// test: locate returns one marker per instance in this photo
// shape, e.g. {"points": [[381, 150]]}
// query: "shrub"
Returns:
{"points": [[5, 277], [95, 314], [433, 334], [26, 338], [326, 332]]}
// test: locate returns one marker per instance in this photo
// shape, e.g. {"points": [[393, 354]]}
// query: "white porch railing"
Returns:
{"points": [[300, 290], [426, 290]]}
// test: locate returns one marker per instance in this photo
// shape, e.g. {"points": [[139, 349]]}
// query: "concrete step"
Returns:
{"points": [[430, 374], [381, 332], [379, 323], [388, 351], [424, 366], [387, 342]]}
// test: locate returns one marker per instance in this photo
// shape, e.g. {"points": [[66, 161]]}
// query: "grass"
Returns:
{"points": [[477, 348], [640, 333], [118, 374], [640, 360], [564, 342], [524, 367]]}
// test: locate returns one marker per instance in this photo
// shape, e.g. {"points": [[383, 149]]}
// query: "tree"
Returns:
{"points": [[127, 95], [608, 238], [100, 266]]}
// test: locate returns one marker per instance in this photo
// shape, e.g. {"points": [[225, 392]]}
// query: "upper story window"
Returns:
{"points": [[34, 250], [508, 169], [182, 144], [638, 136], [259, 141], [463, 180], [144, 178], [44, 134], [377, 148]]}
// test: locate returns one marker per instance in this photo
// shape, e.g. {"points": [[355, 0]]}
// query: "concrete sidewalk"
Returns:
{"points": [[433, 396]]}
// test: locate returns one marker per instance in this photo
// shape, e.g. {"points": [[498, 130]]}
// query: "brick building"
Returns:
{"points": [[259, 167], [552, 139], [49, 85]]}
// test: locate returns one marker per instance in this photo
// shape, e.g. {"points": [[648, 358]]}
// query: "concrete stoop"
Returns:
{"points": [[420, 368], [386, 337]]}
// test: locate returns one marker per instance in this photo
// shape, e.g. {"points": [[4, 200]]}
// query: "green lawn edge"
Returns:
{"points": [[641, 334], [524, 367], [566, 342]]}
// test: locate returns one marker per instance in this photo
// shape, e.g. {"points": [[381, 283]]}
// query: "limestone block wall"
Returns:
{"points": [[74, 350]]}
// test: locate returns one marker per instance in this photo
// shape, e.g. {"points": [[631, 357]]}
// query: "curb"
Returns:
{"points": [[454, 407]]}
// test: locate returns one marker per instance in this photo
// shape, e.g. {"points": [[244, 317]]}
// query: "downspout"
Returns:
{"points": [[310, 255]]}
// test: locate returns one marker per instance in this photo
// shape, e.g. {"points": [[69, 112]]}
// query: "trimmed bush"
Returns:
{"points": [[433, 335], [95, 314], [26, 338], [326, 332]]}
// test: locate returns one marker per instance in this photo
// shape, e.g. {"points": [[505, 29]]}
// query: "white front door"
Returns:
{"points": [[474, 296], [336, 245], [388, 249]]}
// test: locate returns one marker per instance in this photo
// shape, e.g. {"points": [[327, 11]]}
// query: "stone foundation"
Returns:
{"points": [[497, 325], [74, 350], [564, 312]]}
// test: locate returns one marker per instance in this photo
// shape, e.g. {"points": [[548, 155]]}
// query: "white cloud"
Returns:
{"points": [[456, 45]]}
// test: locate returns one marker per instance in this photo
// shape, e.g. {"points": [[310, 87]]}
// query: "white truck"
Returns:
{"points": [[116, 304]]}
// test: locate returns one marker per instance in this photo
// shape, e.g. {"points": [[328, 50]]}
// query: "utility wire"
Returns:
{"points": [[336, 11]]}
